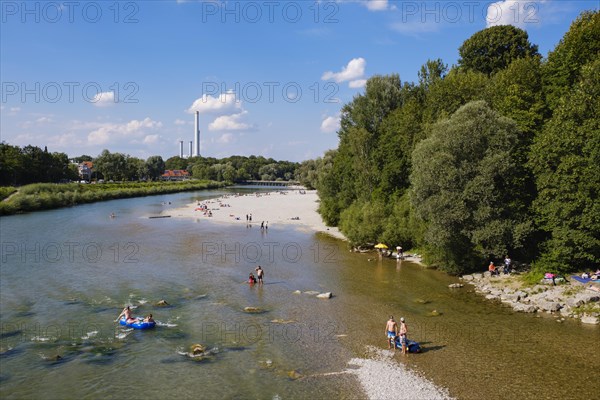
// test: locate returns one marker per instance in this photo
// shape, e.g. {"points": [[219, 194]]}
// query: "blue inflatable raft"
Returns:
{"points": [[139, 324], [413, 347]]}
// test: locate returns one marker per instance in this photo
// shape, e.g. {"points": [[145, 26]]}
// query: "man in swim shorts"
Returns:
{"points": [[260, 273], [403, 332], [391, 330]]}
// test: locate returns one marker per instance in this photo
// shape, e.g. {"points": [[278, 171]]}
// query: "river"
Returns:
{"points": [[67, 273]]}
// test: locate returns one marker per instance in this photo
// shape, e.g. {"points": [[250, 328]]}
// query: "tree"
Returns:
{"points": [[493, 49], [113, 166], [155, 167], [565, 158], [431, 72], [176, 163], [447, 95], [82, 158], [12, 167], [461, 187], [578, 47]]}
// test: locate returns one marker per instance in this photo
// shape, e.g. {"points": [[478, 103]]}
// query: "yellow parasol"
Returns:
{"points": [[381, 246]]}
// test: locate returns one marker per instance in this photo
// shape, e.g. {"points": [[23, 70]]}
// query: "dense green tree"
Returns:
{"points": [[431, 72], [363, 222], [517, 92], [176, 163], [155, 167], [82, 158], [566, 161], [137, 169], [12, 167], [461, 187], [447, 95], [493, 49], [578, 47], [31, 164], [113, 166]]}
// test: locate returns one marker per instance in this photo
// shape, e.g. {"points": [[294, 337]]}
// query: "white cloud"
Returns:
{"points": [[12, 111], [225, 103], [355, 69], [104, 99], [377, 5], [43, 120], [111, 132], [179, 122], [511, 12], [151, 139], [330, 124], [229, 123], [225, 138], [357, 84]]}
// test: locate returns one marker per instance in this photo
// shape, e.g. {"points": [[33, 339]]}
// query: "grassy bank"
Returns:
{"points": [[6, 191], [44, 196]]}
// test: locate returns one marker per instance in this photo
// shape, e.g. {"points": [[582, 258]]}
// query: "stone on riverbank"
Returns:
{"points": [[327, 295], [526, 308], [455, 285], [550, 306], [588, 319]]}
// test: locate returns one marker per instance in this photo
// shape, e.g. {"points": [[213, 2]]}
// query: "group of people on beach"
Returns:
{"points": [[506, 268], [591, 275], [260, 274], [393, 333]]}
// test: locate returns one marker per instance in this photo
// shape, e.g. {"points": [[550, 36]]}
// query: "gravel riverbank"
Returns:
{"points": [[566, 300]]}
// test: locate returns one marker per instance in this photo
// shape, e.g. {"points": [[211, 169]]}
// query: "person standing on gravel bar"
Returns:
{"points": [[391, 330]]}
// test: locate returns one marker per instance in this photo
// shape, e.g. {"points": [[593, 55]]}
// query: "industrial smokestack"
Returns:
{"points": [[191, 153], [197, 135], [181, 148]]}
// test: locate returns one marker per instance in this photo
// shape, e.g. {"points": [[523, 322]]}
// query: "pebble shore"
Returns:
{"points": [[569, 300]]}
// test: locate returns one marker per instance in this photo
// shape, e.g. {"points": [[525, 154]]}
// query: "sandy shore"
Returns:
{"points": [[273, 208]]}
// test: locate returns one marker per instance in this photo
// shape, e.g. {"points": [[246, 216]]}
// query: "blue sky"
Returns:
{"points": [[268, 77]]}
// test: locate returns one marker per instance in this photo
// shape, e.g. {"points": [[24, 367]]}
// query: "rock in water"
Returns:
{"points": [[455, 285], [294, 375], [311, 293], [252, 310], [162, 303], [327, 295]]}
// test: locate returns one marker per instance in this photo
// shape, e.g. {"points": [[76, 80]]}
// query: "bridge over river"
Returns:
{"points": [[287, 184]]}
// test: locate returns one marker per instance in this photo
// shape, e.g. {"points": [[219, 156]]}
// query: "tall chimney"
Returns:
{"points": [[181, 148], [191, 154], [197, 135]]}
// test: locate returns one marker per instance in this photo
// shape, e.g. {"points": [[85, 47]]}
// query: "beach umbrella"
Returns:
{"points": [[381, 246]]}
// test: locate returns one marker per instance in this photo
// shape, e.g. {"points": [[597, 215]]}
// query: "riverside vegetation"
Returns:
{"points": [[43, 196], [497, 155]]}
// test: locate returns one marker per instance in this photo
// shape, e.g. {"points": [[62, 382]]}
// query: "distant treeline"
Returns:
{"points": [[43, 196], [497, 155], [235, 168], [30, 164]]}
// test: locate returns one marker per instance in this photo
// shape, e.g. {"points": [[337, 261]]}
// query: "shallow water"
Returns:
{"points": [[67, 273]]}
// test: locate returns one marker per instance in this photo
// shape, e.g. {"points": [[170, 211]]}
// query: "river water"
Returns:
{"points": [[66, 274]]}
